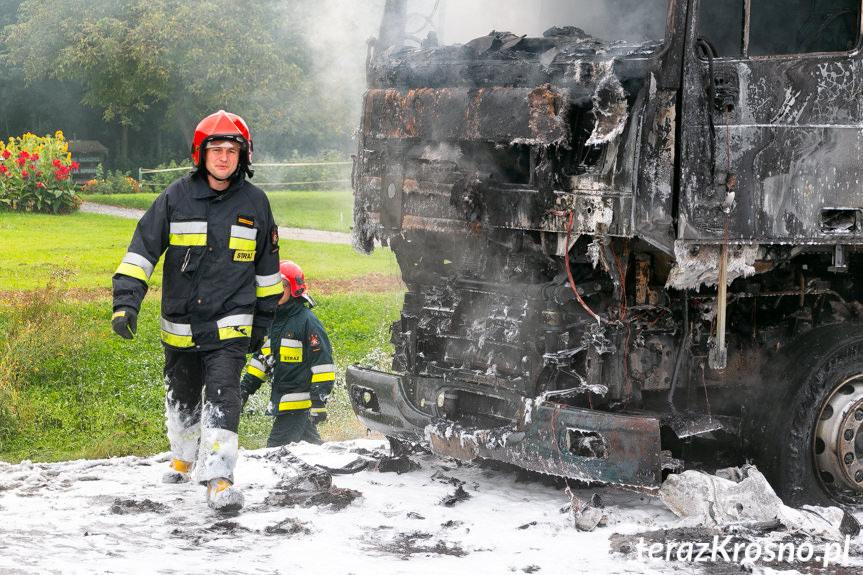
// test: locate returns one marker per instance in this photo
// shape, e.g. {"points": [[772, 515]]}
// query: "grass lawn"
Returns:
{"points": [[330, 211], [70, 388], [33, 246]]}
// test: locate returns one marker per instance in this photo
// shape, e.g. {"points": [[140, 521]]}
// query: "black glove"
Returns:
{"points": [[318, 415], [125, 322], [258, 337]]}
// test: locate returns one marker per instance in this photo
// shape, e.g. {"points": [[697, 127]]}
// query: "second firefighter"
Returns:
{"points": [[298, 360]]}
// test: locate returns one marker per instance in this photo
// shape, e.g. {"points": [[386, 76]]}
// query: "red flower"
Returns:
{"points": [[56, 163], [24, 154], [35, 157], [24, 174], [40, 185], [39, 174], [20, 161], [3, 169], [75, 165], [6, 154]]}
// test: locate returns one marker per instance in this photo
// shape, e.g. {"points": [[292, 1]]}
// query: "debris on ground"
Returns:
{"points": [[743, 497], [587, 515]]}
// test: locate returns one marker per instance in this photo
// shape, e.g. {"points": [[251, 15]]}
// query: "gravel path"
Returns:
{"points": [[285, 232]]}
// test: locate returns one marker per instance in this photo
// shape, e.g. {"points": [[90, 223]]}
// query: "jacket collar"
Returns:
{"points": [[202, 190]]}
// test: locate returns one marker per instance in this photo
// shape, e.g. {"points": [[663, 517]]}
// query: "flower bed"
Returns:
{"points": [[36, 175]]}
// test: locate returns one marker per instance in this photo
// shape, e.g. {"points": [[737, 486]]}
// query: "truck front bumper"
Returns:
{"points": [[582, 444]]}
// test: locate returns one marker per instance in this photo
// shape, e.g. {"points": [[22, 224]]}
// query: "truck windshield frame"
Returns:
{"points": [[750, 29]]}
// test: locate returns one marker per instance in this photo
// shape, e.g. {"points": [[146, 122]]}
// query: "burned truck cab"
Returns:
{"points": [[612, 246]]}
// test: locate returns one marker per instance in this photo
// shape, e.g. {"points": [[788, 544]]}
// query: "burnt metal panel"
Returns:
{"points": [[455, 114], [788, 148], [567, 441]]}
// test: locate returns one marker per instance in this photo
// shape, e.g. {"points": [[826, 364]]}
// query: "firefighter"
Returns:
{"points": [[298, 360], [220, 289]]}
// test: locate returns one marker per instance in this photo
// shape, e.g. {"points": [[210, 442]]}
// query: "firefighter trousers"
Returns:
{"points": [[202, 407]]}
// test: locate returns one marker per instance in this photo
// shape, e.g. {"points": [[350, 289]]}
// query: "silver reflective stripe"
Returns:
{"points": [[270, 280], [257, 364], [235, 320], [303, 396], [188, 227], [292, 343], [243, 232], [177, 328], [324, 368], [140, 261]]}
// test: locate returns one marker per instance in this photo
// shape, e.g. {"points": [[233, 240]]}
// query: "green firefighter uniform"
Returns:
{"points": [[297, 358], [221, 266]]}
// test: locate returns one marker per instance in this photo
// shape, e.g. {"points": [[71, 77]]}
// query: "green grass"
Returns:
{"points": [[319, 210], [71, 389], [34, 245]]}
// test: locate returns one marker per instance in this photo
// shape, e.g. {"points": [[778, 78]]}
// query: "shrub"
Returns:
{"points": [[35, 175], [115, 182]]}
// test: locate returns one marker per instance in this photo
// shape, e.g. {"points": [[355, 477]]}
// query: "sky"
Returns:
{"points": [[114, 516]]}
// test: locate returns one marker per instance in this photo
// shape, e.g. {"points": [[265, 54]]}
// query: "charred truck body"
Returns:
{"points": [[613, 248]]}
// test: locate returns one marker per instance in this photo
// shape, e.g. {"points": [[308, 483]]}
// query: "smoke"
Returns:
{"points": [[462, 21]]}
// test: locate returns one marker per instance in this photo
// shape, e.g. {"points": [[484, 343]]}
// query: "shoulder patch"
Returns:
{"points": [[314, 340], [274, 235]]}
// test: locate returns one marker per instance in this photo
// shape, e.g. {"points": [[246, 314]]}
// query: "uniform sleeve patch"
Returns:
{"points": [[274, 235], [314, 340]]}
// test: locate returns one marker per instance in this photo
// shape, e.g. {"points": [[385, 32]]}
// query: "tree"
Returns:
{"points": [[186, 58]]}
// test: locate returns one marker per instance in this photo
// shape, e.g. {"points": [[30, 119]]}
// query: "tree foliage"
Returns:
{"points": [[164, 64]]}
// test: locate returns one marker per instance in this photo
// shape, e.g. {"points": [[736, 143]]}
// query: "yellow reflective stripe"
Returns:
{"points": [[295, 401], [233, 331], [269, 285], [132, 271], [136, 266], [319, 410], [241, 244], [257, 373], [188, 234], [288, 405], [177, 340], [267, 291], [329, 376], [265, 349], [118, 314], [291, 351], [188, 239], [232, 326], [177, 334], [242, 238]]}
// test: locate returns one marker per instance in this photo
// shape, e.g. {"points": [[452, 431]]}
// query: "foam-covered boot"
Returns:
{"points": [[180, 472], [223, 496]]}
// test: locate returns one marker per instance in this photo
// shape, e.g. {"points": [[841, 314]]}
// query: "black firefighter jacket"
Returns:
{"points": [[220, 275], [299, 360]]}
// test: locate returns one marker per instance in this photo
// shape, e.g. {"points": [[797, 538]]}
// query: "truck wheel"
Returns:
{"points": [[809, 443]]}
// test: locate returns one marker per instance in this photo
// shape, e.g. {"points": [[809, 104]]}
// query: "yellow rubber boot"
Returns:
{"points": [[223, 496], [180, 472]]}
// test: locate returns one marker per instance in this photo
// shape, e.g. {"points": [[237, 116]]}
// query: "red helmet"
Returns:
{"points": [[223, 126], [293, 274]]}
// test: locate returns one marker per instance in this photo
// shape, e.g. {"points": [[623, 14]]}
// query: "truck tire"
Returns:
{"points": [[806, 429]]}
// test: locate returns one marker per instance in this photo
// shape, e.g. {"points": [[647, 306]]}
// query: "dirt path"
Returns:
{"points": [[285, 232]]}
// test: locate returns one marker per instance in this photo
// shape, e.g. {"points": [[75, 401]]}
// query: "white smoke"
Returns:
{"points": [[459, 21]]}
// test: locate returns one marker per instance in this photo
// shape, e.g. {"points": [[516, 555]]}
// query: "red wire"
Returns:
{"points": [[569, 274]]}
